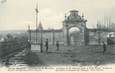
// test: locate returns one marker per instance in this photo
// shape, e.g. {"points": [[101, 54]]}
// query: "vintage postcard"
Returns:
{"points": [[57, 36]]}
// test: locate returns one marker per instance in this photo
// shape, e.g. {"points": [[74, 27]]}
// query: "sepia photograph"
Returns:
{"points": [[50, 33]]}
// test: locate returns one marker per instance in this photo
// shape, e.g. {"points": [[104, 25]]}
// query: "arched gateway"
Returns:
{"points": [[75, 20], [64, 35]]}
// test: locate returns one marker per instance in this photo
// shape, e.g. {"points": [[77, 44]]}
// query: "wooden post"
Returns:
{"points": [[29, 32], [53, 37]]}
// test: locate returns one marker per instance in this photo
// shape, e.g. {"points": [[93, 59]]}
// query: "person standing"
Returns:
{"points": [[46, 45], [104, 47], [41, 47], [57, 45], [28, 47]]}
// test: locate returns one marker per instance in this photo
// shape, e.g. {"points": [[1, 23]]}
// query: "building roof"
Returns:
{"points": [[74, 11], [74, 17], [49, 30], [40, 27], [104, 30]]}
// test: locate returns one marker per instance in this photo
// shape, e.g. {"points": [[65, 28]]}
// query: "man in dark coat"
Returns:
{"points": [[46, 45], [41, 47], [57, 45], [104, 47]]}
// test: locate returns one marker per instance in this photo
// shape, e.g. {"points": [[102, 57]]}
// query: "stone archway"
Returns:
{"points": [[74, 20], [74, 35]]}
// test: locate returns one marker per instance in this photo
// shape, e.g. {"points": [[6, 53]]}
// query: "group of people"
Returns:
{"points": [[47, 46]]}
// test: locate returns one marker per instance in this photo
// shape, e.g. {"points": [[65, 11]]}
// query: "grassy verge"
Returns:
{"points": [[32, 59]]}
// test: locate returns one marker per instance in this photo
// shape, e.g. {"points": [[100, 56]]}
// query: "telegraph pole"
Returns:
{"points": [[36, 19], [41, 37], [41, 46]]}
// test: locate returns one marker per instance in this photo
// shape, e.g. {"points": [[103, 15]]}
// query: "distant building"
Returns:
{"points": [[84, 36], [63, 35], [50, 34], [40, 27]]}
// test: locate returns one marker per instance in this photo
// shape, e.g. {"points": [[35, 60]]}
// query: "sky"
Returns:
{"points": [[18, 14]]}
